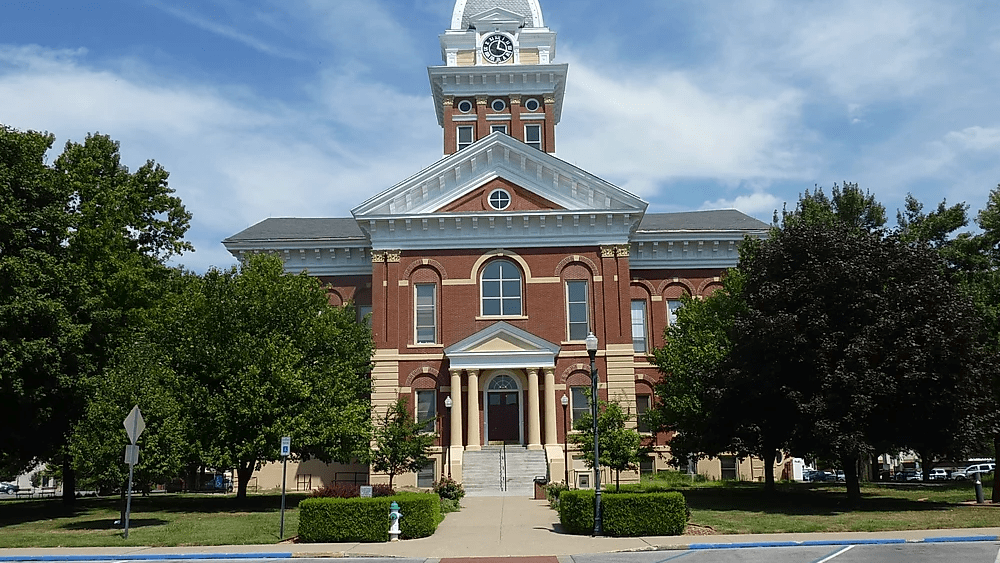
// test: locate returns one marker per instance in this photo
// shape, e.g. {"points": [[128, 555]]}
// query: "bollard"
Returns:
{"points": [[980, 499], [394, 517]]}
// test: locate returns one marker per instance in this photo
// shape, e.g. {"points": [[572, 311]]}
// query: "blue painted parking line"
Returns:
{"points": [[944, 539]]}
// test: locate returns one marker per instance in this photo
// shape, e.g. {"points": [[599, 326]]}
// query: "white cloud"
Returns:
{"points": [[234, 159], [645, 126], [758, 204], [975, 138]]}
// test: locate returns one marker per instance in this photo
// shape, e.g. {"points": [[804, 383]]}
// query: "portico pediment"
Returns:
{"points": [[502, 345]]}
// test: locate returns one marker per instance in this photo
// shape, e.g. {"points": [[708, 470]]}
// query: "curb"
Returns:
{"points": [[333, 555]]}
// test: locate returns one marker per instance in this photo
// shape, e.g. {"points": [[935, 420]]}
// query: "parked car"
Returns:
{"points": [[907, 475], [972, 470], [840, 475], [807, 474], [8, 488], [823, 476], [939, 474]]}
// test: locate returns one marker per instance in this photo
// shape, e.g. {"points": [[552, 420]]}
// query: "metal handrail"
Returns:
{"points": [[503, 467]]}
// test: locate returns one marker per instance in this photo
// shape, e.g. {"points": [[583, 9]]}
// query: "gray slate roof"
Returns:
{"points": [[346, 229], [294, 228], [716, 220]]}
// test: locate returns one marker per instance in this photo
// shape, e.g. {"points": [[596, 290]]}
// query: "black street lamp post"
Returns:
{"points": [[592, 351], [565, 403]]}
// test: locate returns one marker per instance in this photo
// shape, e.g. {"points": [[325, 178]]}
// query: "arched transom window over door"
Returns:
{"points": [[503, 383], [501, 289]]}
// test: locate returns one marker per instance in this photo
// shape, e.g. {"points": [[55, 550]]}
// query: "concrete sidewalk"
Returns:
{"points": [[505, 526]]}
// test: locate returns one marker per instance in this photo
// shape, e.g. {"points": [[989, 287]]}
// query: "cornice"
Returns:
{"points": [[498, 80]]}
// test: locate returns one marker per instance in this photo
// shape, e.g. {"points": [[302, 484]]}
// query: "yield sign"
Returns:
{"points": [[134, 424]]}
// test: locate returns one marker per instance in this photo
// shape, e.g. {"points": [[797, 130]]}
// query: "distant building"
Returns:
{"points": [[484, 272]]}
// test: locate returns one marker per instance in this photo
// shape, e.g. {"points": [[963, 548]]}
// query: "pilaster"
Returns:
{"points": [[550, 124]]}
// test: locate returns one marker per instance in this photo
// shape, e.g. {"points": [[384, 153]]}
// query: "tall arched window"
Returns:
{"points": [[501, 289]]}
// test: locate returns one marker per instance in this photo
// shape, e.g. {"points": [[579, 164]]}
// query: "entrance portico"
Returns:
{"points": [[503, 366]]}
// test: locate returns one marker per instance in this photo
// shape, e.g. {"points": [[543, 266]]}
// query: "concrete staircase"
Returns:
{"points": [[497, 471]]}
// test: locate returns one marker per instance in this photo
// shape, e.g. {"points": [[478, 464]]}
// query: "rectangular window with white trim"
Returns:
{"points": [[579, 402], [641, 407], [498, 129], [466, 136], [672, 306], [576, 310], [427, 409], [425, 314], [533, 136], [640, 330]]}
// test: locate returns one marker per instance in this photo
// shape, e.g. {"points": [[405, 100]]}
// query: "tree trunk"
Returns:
{"points": [[244, 470], [851, 477], [69, 481], [770, 454], [925, 466], [618, 480], [996, 482], [391, 475]]}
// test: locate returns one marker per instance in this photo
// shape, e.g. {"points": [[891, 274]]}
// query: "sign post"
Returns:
{"points": [[286, 448], [134, 425]]}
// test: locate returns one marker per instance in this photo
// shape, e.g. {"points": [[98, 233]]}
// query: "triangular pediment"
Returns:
{"points": [[497, 16], [566, 188], [502, 345]]}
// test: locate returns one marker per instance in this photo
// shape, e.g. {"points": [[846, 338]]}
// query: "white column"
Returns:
{"points": [[551, 438], [474, 442], [456, 408], [534, 413]]}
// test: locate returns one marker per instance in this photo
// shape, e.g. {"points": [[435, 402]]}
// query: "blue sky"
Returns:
{"points": [[278, 108]]}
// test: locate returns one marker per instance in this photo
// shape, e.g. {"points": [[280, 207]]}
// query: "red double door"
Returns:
{"points": [[504, 417]]}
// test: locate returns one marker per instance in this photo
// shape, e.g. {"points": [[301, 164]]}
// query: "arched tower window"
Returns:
{"points": [[501, 289]]}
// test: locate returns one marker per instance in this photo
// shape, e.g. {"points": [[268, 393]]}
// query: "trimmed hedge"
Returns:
{"points": [[625, 514], [332, 520]]}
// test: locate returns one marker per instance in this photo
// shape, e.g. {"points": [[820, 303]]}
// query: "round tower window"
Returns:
{"points": [[465, 106], [499, 199], [498, 105], [532, 104]]}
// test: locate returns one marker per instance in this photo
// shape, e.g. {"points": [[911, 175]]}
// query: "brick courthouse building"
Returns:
{"points": [[484, 272]]}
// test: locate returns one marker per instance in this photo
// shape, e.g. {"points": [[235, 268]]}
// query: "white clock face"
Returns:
{"points": [[498, 48]]}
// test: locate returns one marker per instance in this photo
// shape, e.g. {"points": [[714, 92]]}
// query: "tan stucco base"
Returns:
{"points": [[306, 475]]}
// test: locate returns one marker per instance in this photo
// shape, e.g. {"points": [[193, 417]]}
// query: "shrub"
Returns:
{"points": [[421, 514], [625, 513], [448, 506], [644, 514], [382, 490], [552, 492], [332, 520], [448, 488], [338, 490]]}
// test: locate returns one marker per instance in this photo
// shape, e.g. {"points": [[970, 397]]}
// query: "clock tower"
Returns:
{"points": [[498, 75]]}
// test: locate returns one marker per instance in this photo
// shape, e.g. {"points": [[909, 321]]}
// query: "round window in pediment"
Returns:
{"points": [[499, 199]]}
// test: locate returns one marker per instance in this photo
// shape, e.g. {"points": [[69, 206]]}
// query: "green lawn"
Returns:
{"points": [[744, 508], [158, 520]]}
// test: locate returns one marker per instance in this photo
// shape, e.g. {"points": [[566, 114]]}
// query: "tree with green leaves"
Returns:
{"points": [[848, 205], [261, 354], [84, 242], [401, 444], [621, 447], [866, 332]]}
